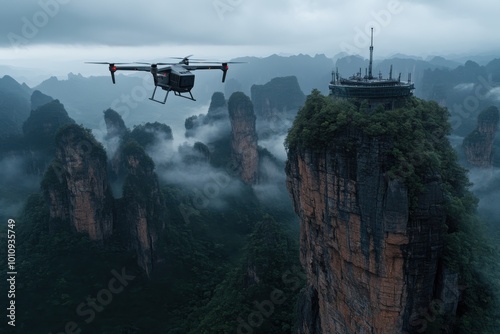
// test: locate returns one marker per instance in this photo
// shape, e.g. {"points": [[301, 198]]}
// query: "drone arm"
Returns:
{"points": [[133, 68], [222, 67], [113, 68], [202, 67]]}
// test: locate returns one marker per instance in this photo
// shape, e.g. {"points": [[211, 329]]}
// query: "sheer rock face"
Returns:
{"points": [[143, 208], [243, 137], [116, 129], [78, 191], [115, 126], [216, 116], [478, 146], [217, 109], [371, 263]]}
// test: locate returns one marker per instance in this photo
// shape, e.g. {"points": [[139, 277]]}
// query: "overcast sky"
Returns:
{"points": [[68, 30]]}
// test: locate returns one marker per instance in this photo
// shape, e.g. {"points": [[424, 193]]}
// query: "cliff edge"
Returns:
{"points": [[76, 185], [369, 192], [244, 137]]}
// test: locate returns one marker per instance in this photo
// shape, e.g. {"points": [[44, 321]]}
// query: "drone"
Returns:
{"points": [[175, 77]]}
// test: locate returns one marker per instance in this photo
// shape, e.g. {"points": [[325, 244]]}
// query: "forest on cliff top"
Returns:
{"points": [[418, 133]]}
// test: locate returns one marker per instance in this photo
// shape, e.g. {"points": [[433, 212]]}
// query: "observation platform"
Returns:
{"points": [[377, 90]]}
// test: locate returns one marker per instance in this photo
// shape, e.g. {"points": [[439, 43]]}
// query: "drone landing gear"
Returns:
{"points": [[152, 98], [190, 97]]}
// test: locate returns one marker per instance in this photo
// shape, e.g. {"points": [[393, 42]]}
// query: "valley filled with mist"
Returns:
{"points": [[211, 216]]}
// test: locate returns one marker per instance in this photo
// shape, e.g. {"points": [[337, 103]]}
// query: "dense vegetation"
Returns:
{"points": [[419, 147], [40, 127], [147, 134], [240, 100], [214, 262], [417, 132], [202, 286]]}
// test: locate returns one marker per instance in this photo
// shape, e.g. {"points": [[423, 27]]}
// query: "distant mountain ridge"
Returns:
{"points": [[14, 106]]}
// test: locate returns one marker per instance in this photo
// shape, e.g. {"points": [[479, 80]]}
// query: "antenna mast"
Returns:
{"points": [[370, 75]]}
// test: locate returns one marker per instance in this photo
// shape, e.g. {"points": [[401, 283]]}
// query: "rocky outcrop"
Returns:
{"points": [[151, 133], [280, 95], [478, 146], [371, 259], [39, 132], [41, 126], [76, 185], [80, 199], [116, 130], [115, 126], [39, 99], [276, 103], [216, 116], [198, 153], [156, 136], [243, 137], [142, 209], [217, 109]]}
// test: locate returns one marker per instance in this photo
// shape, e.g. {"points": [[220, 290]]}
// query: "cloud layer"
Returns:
{"points": [[295, 26]]}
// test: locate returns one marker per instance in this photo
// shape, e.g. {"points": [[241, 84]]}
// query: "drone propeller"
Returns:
{"points": [[186, 60], [154, 64], [112, 67], [104, 63], [218, 61]]}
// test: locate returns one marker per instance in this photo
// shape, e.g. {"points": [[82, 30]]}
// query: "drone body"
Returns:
{"points": [[176, 77]]}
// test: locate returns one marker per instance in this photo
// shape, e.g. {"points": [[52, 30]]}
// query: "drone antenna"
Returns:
{"points": [[370, 76]]}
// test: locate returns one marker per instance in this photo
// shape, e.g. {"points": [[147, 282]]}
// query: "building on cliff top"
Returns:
{"points": [[377, 90]]}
